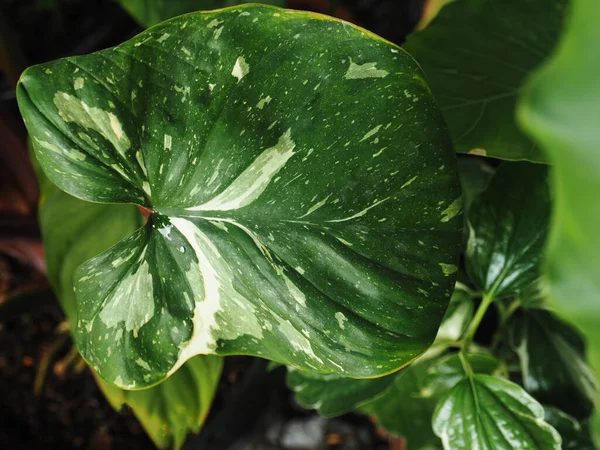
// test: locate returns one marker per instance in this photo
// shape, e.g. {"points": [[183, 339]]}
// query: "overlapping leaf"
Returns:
{"points": [[507, 226], [476, 55], [552, 355], [176, 407], [302, 186], [406, 409], [491, 413], [332, 395]]}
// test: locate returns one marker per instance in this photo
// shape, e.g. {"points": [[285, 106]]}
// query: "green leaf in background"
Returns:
{"points": [[575, 435], [475, 55], [457, 318], [491, 413], [176, 407], [74, 231], [475, 175], [151, 12], [333, 395], [507, 230], [560, 110], [406, 408], [312, 219], [448, 371], [552, 355]]}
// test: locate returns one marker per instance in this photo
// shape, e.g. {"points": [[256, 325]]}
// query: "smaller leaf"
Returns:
{"points": [[575, 435], [553, 363], [405, 409], [457, 317], [475, 174], [448, 371], [507, 225], [176, 407], [487, 412], [333, 395]]}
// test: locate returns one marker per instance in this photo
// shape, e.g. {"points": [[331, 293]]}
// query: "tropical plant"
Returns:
{"points": [[304, 204]]}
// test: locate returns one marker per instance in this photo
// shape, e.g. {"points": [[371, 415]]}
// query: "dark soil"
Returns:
{"points": [[253, 409], [70, 412]]}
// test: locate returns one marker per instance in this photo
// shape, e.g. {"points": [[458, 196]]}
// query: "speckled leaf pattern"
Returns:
{"points": [[332, 395], [476, 55], [176, 407], [490, 413], [151, 12], [507, 227], [302, 184], [565, 123], [553, 363]]}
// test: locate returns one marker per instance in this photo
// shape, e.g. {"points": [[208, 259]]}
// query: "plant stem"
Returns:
{"points": [[485, 303]]}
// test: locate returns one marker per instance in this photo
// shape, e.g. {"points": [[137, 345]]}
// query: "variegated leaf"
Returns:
{"points": [[305, 203]]}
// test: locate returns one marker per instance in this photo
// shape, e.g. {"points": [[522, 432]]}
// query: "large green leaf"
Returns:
{"points": [[560, 110], [552, 355], [507, 230], [476, 54], [288, 210], [151, 12], [176, 407], [170, 410], [491, 413], [332, 395]]}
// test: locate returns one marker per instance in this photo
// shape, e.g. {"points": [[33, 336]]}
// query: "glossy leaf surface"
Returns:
{"points": [[406, 408], [553, 363], [288, 210], [448, 371], [171, 410], [151, 12], [476, 55], [491, 413], [564, 122], [333, 395], [507, 230]]}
